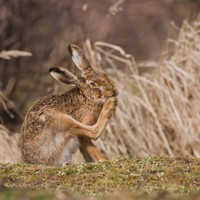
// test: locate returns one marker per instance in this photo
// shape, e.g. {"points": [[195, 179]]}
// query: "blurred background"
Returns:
{"points": [[44, 28]]}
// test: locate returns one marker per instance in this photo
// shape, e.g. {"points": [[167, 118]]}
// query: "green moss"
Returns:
{"points": [[176, 175], [17, 194]]}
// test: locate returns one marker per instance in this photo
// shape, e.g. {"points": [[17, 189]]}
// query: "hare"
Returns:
{"points": [[57, 125]]}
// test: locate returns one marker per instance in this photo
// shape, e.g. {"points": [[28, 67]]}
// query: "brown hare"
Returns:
{"points": [[57, 125]]}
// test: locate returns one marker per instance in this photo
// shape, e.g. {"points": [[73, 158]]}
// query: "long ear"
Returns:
{"points": [[62, 75], [78, 57]]}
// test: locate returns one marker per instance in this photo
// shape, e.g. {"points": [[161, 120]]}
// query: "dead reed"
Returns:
{"points": [[7, 55], [158, 114], [6, 104], [9, 146]]}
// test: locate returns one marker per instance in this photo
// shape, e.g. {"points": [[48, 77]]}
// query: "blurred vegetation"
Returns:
{"points": [[44, 28]]}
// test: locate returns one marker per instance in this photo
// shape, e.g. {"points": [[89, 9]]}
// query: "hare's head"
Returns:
{"points": [[91, 83]]}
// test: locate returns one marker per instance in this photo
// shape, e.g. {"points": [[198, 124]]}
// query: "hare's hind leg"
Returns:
{"points": [[89, 150]]}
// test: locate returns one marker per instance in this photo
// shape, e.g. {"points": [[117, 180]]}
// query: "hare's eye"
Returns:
{"points": [[93, 85]]}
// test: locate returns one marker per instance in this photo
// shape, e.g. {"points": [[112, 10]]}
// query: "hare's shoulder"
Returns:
{"points": [[34, 116], [50, 101], [64, 102], [58, 101]]}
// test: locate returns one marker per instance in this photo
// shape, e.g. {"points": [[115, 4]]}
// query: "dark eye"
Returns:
{"points": [[93, 85]]}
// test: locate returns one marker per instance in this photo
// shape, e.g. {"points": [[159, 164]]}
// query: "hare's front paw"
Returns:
{"points": [[110, 106], [111, 103]]}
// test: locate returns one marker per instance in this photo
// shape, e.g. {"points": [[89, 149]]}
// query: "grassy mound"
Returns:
{"points": [[154, 176]]}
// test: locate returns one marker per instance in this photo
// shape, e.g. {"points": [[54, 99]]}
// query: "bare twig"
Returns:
{"points": [[7, 55]]}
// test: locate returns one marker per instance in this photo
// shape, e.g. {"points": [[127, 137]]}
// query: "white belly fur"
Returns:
{"points": [[71, 148]]}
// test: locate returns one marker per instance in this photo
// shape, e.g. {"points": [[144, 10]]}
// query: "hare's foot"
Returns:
{"points": [[66, 163]]}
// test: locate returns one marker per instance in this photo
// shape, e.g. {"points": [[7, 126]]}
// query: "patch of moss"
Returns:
{"points": [[176, 175]]}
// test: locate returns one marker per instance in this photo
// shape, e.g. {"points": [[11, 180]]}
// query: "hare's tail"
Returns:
{"points": [[9, 146]]}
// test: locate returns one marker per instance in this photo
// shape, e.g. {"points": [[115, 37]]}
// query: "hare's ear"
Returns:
{"points": [[64, 76], [78, 57]]}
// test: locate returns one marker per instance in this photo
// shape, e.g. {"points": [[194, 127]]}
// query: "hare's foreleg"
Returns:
{"points": [[67, 124], [93, 132], [89, 150]]}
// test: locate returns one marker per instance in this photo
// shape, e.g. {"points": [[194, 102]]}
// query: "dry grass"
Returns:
{"points": [[9, 142], [157, 114], [5, 103], [9, 146]]}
